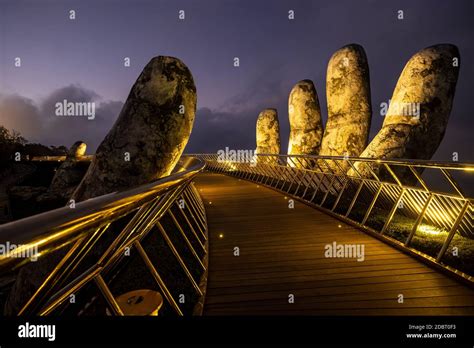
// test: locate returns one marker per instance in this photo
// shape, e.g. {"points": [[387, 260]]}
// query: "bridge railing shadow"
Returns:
{"points": [[85, 248], [417, 206]]}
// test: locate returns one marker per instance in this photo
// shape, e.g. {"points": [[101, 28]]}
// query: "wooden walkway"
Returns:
{"points": [[282, 253]]}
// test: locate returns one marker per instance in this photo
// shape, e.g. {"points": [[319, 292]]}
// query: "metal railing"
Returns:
{"points": [[85, 158], [105, 229], [390, 199]]}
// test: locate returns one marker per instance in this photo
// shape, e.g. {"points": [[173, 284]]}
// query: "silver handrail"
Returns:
{"points": [[83, 225], [359, 190]]}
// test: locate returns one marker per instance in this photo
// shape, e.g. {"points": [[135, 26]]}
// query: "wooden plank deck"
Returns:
{"points": [[282, 253]]}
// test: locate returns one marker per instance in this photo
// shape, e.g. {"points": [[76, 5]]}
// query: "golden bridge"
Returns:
{"points": [[261, 238]]}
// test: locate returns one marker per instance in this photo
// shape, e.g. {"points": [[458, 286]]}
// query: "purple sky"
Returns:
{"points": [[83, 59]]}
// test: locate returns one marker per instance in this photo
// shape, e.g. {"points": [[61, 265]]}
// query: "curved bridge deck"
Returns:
{"points": [[282, 252]]}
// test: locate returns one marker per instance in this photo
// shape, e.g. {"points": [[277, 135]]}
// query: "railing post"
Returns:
{"points": [[310, 184], [372, 204], [158, 279], [104, 289], [327, 190], [356, 195], [419, 219], [393, 211], [176, 253], [186, 239], [452, 232], [340, 195]]}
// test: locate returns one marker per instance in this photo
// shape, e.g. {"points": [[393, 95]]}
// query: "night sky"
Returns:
{"points": [[82, 60]]}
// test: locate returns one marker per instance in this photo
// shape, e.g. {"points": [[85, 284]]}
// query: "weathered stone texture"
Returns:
{"points": [[306, 128], [70, 173], [150, 133], [268, 133], [428, 81], [349, 104], [151, 129]]}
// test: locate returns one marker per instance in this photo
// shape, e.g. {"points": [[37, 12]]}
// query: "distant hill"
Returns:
{"points": [[12, 144]]}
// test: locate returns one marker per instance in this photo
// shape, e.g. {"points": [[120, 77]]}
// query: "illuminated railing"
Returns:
{"points": [[85, 158], [95, 236], [390, 199]]}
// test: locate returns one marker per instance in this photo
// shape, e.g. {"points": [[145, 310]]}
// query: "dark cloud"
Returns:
{"points": [[214, 130], [269, 87], [73, 93], [233, 123], [21, 114], [38, 122], [61, 130], [274, 53]]}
